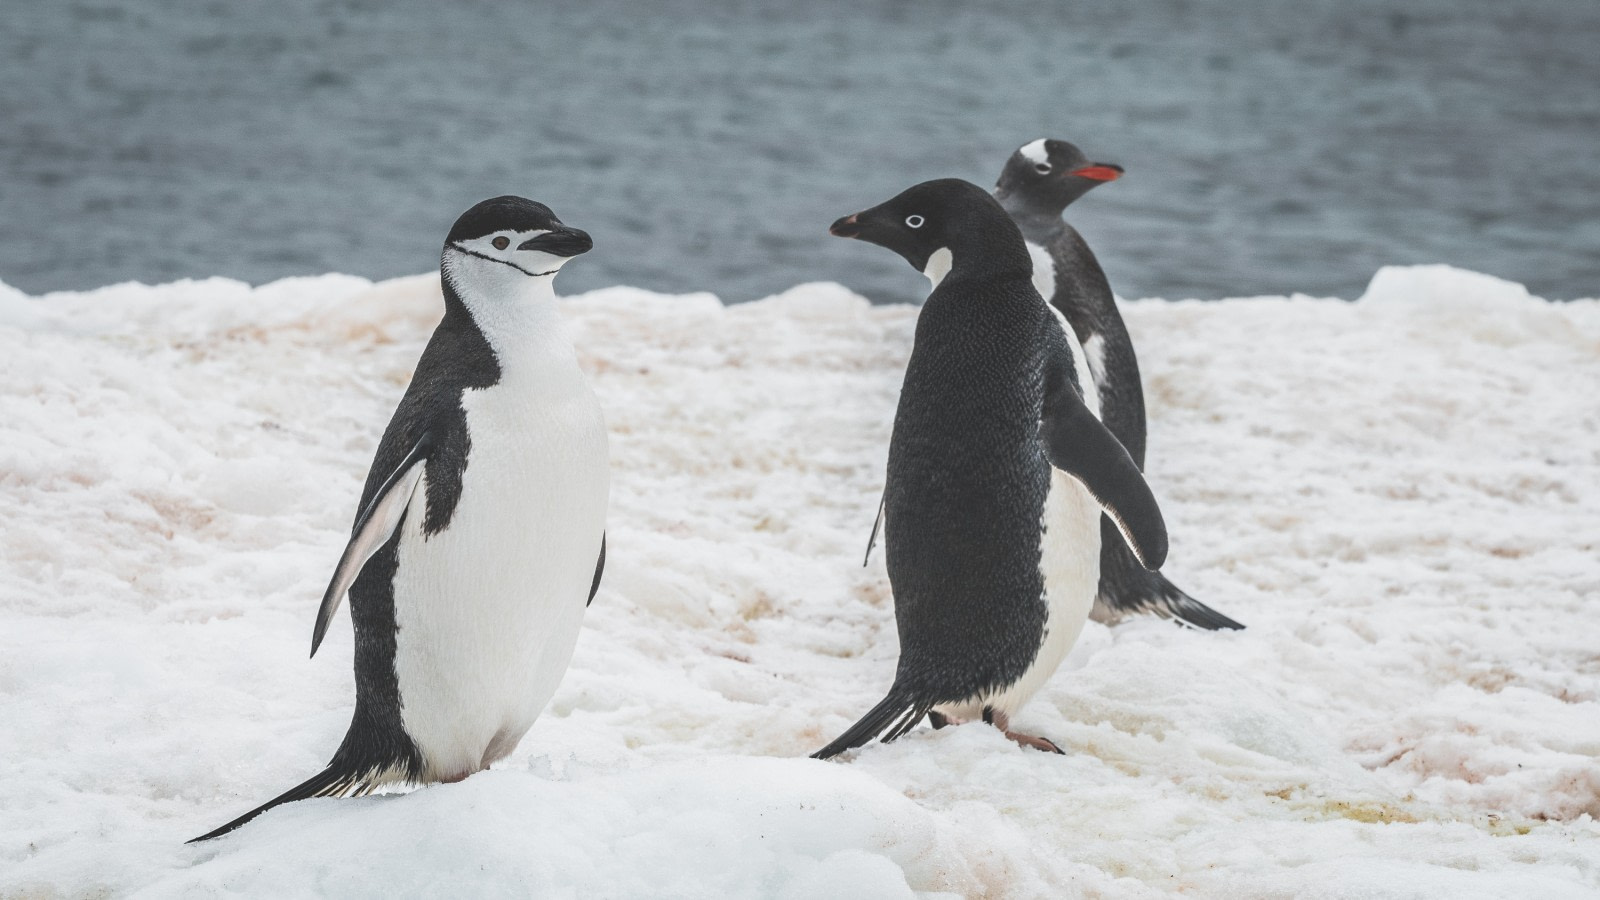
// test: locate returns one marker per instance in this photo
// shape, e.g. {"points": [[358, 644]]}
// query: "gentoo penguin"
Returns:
{"points": [[1039, 181], [993, 448], [480, 537]]}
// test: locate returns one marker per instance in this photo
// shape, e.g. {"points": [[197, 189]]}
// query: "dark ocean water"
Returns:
{"points": [[1271, 147]]}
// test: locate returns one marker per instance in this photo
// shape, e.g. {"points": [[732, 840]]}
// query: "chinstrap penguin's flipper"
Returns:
{"points": [[1126, 588], [895, 715], [599, 570], [374, 527], [327, 783], [872, 539], [1078, 444]]}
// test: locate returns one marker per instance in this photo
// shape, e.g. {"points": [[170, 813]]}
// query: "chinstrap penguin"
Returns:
{"points": [[480, 537], [1039, 181], [993, 448]]}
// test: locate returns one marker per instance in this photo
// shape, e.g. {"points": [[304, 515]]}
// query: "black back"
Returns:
{"points": [[967, 478], [966, 489]]}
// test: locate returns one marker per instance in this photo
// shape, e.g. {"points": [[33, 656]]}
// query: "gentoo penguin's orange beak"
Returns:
{"points": [[846, 227], [1099, 172]]}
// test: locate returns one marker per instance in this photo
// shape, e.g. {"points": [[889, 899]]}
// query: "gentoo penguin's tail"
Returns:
{"points": [[1127, 588], [327, 783], [896, 713]]}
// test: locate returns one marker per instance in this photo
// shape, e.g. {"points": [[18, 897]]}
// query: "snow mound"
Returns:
{"points": [[1397, 495]]}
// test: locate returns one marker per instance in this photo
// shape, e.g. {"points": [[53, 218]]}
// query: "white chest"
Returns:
{"points": [[1044, 271], [488, 609], [1044, 280]]}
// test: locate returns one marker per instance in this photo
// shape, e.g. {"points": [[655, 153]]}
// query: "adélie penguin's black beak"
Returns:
{"points": [[847, 227], [563, 241]]}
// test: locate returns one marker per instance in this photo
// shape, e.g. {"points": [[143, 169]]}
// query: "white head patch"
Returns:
{"points": [[485, 274], [1035, 152], [501, 247]]}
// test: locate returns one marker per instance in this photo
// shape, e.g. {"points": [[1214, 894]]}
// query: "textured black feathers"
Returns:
{"points": [[1083, 296]]}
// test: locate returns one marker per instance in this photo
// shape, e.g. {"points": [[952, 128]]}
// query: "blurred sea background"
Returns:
{"points": [[1271, 147]]}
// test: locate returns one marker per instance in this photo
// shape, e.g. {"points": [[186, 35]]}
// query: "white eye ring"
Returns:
{"points": [[1042, 168], [914, 221]]}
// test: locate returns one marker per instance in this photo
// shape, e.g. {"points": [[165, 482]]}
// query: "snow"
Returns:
{"points": [[1397, 495]]}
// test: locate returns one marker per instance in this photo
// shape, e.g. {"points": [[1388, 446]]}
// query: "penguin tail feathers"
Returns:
{"points": [[1127, 588], [327, 783], [1160, 597], [894, 715], [1195, 614]]}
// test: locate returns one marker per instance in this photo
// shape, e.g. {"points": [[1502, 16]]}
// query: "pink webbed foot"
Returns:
{"points": [[1003, 722]]}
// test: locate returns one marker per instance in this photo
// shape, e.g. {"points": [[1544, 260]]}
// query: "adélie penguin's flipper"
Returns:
{"points": [[1078, 444], [894, 715], [373, 528]]}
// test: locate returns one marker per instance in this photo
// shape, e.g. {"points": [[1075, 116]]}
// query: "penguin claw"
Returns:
{"points": [[1003, 722], [1037, 743]]}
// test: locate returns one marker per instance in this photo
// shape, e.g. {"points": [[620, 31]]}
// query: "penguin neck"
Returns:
{"points": [[1039, 222], [985, 252], [938, 265], [517, 314]]}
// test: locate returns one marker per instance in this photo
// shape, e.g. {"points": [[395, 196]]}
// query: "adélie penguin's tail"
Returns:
{"points": [[894, 715], [327, 783]]}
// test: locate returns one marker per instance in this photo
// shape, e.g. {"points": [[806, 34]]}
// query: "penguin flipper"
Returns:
{"points": [[599, 570], [872, 539], [327, 783], [374, 527], [895, 714], [1078, 444]]}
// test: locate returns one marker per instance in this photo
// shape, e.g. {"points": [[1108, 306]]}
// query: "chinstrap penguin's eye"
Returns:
{"points": [[1042, 168], [914, 221], [501, 242]]}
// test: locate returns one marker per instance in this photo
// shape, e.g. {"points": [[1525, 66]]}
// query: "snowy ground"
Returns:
{"points": [[1398, 496]]}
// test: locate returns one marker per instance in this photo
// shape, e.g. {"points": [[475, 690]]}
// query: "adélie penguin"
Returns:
{"points": [[1039, 181], [480, 534], [993, 448]]}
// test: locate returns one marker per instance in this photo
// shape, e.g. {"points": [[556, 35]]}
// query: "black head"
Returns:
{"points": [[515, 232], [1045, 176], [938, 223]]}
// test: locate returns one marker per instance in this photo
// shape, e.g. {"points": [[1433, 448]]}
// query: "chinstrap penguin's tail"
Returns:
{"points": [[327, 783], [894, 715], [1127, 588]]}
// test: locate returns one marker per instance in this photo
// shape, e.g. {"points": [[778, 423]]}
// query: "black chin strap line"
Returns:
{"points": [[504, 262]]}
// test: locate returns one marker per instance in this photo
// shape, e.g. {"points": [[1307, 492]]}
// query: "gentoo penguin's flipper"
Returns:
{"points": [[599, 570], [1076, 443], [373, 529], [872, 539], [327, 783], [895, 715]]}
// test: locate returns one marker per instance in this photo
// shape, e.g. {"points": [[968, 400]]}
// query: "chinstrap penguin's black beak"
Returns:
{"points": [[561, 242]]}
